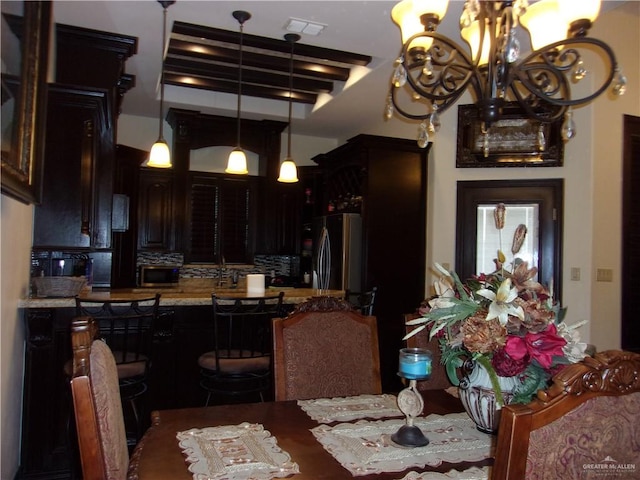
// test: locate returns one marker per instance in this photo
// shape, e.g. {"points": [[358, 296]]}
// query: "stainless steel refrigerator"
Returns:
{"points": [[337, 255]]}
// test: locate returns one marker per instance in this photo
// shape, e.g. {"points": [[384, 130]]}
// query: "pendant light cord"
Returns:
{"points": [[239, 82], [164, 41], [290, 99]]}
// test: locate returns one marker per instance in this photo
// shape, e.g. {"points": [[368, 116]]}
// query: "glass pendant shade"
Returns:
{"points": [[544, 23], [288, 171], [471, 35], [571, 11], [160, 157], [237, 162], [409, 23]]}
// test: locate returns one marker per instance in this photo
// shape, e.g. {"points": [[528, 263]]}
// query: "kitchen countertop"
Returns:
{"points": [[179, 296]]}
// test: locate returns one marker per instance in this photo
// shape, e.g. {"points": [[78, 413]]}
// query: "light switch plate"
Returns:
{"points": [[575, 274], [604, 275]]}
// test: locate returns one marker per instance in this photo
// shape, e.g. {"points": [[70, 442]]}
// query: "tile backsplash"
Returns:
{"points": [[278, 264]]}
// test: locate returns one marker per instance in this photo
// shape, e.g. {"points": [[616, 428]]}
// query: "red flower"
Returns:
{"points": [[505, 366], [540, 346]]}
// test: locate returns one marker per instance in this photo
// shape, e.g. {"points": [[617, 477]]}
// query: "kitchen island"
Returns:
{"points": [[184, 331], [178, 296]]}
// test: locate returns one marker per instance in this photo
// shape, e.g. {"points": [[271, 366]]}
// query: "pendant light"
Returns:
{"points": [[160, 156], [288, 170], [237, 162]]}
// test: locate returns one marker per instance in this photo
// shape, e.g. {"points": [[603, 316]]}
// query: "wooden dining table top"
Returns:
{"points": [[159, 457]]}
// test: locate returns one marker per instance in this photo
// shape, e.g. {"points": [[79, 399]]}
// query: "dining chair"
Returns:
{"points": [[363, 301], [324, 348], [127, 326], [584, 425], [438, 379], [102, 439], [239, 363]]}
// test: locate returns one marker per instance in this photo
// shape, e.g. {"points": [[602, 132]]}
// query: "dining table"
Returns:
{"points": [[194, 443]]}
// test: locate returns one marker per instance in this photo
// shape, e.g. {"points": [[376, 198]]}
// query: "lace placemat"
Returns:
{"points": [[345, 409], [473, 473], [234, 452], [365, 447]]}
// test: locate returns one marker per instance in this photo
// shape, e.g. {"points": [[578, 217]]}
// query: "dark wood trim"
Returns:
{"points": [[548, 193], [630, 265]]}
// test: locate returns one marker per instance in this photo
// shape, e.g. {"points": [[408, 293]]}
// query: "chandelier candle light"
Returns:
{"points": [[433, 71]]}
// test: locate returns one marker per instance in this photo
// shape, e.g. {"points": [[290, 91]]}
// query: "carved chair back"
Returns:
{"points": [[96, 400], [324, 348], [586, 419]]}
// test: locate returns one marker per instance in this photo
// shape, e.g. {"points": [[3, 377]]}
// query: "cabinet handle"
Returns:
{"points": [[86, 177]]}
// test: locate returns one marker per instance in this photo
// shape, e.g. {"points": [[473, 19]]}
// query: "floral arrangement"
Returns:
{"points": [[505, 321]]}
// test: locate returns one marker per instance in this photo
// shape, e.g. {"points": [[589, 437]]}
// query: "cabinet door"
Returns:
{"points": [[78, 171], [155, 211]]}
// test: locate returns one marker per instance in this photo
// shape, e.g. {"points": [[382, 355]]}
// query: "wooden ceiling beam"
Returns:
{"points": [[250, 90]]}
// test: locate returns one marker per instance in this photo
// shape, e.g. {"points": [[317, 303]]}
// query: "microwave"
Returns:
{"points": [[159, 275]]}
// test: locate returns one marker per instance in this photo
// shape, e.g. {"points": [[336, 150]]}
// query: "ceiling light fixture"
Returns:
{"points": [[433, 71], [288, 169], [237, 163], [160, 155]]}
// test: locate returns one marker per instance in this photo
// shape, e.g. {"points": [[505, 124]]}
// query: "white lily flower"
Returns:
{"points": [[440, 302], [574, 350], [501, 302]]}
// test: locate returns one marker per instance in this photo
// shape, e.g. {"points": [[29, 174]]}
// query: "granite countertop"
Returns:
{"points": [[183, 295]]}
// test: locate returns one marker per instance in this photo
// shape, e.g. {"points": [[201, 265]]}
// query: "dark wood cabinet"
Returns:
{"points": [[75, 214], [390, 175], [125, 240], [156, 212], [78, 170]]}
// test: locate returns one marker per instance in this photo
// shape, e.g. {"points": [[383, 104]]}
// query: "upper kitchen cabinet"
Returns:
{"points": [[94, 58], [79, 160], [156, 226], [385, 179]]}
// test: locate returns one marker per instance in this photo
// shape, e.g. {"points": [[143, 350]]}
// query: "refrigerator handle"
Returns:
{"points": [[324, 260]]}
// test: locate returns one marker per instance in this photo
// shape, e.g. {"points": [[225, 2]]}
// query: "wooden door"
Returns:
{"points": [[631, 235]]}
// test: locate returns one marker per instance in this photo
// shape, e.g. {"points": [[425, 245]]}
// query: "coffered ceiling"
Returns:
{"points": [[207, 58], [342, 75]]}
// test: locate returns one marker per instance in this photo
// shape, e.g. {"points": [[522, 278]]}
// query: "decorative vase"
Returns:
{"points": [[479, 399]]}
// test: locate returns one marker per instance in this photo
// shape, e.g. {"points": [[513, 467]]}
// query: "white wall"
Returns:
{"points": [[15, 244], [620, 28]]}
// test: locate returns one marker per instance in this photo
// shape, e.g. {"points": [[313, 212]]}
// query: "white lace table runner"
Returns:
{"points": [[345, 409], [473, 473], [234, 452], [365, 447]]}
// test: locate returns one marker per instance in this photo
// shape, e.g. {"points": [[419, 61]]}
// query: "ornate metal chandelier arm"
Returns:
{"points": [[544, 72], [440, 74]]}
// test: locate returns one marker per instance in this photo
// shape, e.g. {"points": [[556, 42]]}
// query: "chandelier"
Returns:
{"points": [[433, 71]]}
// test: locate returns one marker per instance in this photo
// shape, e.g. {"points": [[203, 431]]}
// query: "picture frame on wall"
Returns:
{"points": [[25, 51], [515, 140]]}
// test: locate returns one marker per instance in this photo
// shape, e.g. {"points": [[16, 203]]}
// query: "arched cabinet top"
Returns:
{"points": [[193, 130]]}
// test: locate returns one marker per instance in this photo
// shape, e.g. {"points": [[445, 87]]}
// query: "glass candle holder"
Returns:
{"points": [[415, 363]]}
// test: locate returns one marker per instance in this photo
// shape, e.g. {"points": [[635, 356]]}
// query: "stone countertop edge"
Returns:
{"points": [[175, 298]]}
